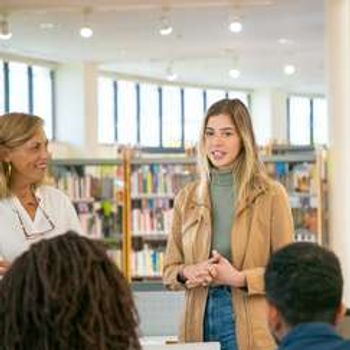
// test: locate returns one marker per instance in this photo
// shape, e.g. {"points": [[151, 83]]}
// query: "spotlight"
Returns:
{"points": [[234, 73], [86, 32], [289, 69], [5, 33], [235, 26]]}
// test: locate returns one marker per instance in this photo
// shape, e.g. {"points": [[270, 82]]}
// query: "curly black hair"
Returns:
{"points": [[65, 293], [304, 281]]}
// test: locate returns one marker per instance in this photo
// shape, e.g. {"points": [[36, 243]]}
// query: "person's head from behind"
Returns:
{"points": [[65, 293], [23, 151], [227, 141], [303, 284]]}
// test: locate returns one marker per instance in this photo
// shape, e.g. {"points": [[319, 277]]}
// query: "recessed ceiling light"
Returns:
{"points": [[289, 69], [235, 26], [86, 32], [166, 30], [234, 73]]}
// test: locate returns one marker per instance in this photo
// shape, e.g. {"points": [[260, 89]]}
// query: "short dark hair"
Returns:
{"points": [[304, 282], [65, 293]]}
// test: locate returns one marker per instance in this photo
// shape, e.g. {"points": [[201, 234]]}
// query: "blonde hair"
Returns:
{"points": [[248, 170], [15, 130]]}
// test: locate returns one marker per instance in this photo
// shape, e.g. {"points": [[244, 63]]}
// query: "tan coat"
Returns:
{"points": [[262, 224]]}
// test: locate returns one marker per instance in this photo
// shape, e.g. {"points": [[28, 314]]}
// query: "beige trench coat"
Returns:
{"points": [[262, 225]]}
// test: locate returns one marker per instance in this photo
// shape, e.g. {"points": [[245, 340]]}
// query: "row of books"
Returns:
{"points": [[151, 216], [147, 262], [90, 182], [159, 179]]}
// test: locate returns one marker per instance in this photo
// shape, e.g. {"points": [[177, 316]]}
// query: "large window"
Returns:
{"points": [[18, 87], [194, 114], [243, 96], [106, 115], [127, 127], [157, 118], [320, 121], [171, 116], [28, 89], [42, 97], [149, 115], [214, 95], [307, 120]]}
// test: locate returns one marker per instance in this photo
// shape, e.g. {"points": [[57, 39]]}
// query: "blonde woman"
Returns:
{"points": [[225, 227], [29, 211]]}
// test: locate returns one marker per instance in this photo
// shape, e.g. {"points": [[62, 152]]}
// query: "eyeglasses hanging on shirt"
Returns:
{"points": [[34, 235]]}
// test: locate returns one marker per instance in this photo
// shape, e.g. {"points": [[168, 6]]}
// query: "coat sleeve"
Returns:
{"points": [[174, 258], [281, 234]]}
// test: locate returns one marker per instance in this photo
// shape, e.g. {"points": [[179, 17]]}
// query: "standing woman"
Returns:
{"points": [[29, 211], [225, 227]]}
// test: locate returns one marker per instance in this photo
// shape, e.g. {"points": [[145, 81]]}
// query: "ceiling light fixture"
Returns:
{"points": [[86, 30], [5, 33], [165, 28], [170, 74], [234, 73], [289, 69], [235, 26]]}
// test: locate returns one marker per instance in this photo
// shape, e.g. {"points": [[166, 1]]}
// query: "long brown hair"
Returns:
{"points": [[248, 169], [15, 130], [65, 293]]}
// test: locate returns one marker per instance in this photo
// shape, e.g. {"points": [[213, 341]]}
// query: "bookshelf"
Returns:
{"points": [[96, 189], [154, 183], [303, 172], [128, 202]]}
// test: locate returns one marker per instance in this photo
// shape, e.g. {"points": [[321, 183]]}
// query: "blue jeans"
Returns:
{"points": [[219, 324]]}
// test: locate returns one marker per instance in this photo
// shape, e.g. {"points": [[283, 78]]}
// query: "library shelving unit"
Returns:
{"points": [[154, 182], [96, 189], [128, 201], [303, 172]]}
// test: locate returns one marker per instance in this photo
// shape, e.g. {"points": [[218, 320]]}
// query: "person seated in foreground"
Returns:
{"points": [[304, 287], [65, 293]]}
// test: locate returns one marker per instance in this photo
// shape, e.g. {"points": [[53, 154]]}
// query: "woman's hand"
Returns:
{"points": [[222, 272], [4, 265], [199, 274]]}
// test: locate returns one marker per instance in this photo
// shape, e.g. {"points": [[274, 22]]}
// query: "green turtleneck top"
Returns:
{"points": [[223, 200]]}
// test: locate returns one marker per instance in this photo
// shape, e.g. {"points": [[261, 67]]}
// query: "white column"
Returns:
{"points": [[338, 90]]}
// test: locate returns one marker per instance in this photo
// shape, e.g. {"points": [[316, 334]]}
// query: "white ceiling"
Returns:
{"points": [[201, 48]]}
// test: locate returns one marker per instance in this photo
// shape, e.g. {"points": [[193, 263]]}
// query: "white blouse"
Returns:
{"points": [[55, 215]]}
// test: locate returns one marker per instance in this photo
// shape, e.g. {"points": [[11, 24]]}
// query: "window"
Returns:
{"points": [[171, 116], [307, 120], [19, 87], [299, 120], [156, 118], [243, 96], [126, 112], [42, 97], [213, 96], [106, 120], [194, 114], [149, 116], [320, 121]]}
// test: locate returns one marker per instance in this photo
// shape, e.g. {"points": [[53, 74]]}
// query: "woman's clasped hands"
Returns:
{"points": [[215, 271]]}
